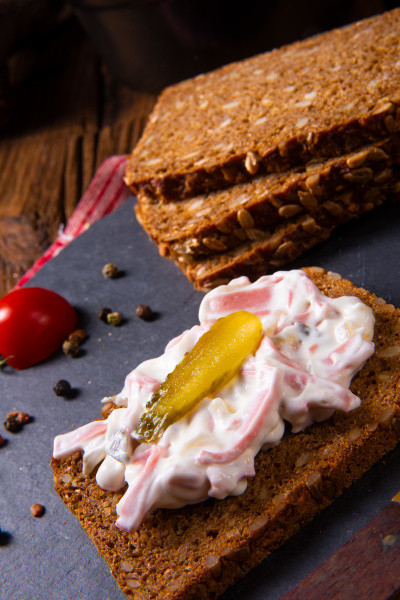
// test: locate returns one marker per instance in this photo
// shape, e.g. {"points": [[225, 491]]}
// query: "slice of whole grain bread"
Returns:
{"points": [[215, 223], [285, 244], [198, 551], [318, 98]]}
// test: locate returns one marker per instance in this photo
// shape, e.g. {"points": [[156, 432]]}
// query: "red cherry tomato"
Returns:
{"points": [[34, 322]]}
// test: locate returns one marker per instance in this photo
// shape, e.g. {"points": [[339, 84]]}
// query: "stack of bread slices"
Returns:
{"points": [[242, 169]]}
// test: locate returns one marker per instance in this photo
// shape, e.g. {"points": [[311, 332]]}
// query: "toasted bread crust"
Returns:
{"points": [[198, 551]]}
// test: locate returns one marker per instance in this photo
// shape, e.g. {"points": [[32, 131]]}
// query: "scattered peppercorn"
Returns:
{"points": [[102, 314], [37, 510], [114, 318], [5, 537], [144, 312], [22, 417], [12, 424], [79, 336], [2, 441], [71, 348], [62, 388], [110, 271], [15, 420]]}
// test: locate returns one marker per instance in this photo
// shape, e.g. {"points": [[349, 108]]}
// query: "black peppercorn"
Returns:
{"points": [[12, 424], [15, 420], [62, 388], [144, 312], [102, 314]]}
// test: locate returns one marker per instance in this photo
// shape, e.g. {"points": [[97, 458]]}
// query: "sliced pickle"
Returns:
{"points": [[208, 367]]}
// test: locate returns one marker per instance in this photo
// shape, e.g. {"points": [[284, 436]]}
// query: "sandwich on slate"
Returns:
{"points": [[182, 506]]}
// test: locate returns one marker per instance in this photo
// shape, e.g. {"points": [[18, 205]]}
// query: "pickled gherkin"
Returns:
{"points": [[210, 365]]}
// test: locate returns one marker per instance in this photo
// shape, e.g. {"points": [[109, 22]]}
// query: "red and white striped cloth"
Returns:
{"points": [[106, 192]]}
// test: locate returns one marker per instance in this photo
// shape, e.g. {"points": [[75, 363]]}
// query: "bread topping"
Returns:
{"points": [[208, 367], [311, 348]]}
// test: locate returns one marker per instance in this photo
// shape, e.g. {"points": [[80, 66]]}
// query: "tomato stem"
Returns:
{"points": [[4, 361]]}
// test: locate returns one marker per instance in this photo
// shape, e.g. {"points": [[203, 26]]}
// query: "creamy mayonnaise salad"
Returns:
{"points": [[311, 348]]}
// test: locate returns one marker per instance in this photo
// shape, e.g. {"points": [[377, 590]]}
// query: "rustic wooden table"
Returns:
{"points": [[68, 115]]}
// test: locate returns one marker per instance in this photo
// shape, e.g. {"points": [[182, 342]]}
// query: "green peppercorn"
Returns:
{"points": [[110, 271], [71, 348], [114, 318]]}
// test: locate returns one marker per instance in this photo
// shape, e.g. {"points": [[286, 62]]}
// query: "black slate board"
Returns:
{"points": [[51, 558]]}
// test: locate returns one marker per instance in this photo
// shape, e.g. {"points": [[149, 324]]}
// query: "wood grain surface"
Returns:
{"points": [[68, 115], [367, 566]]}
